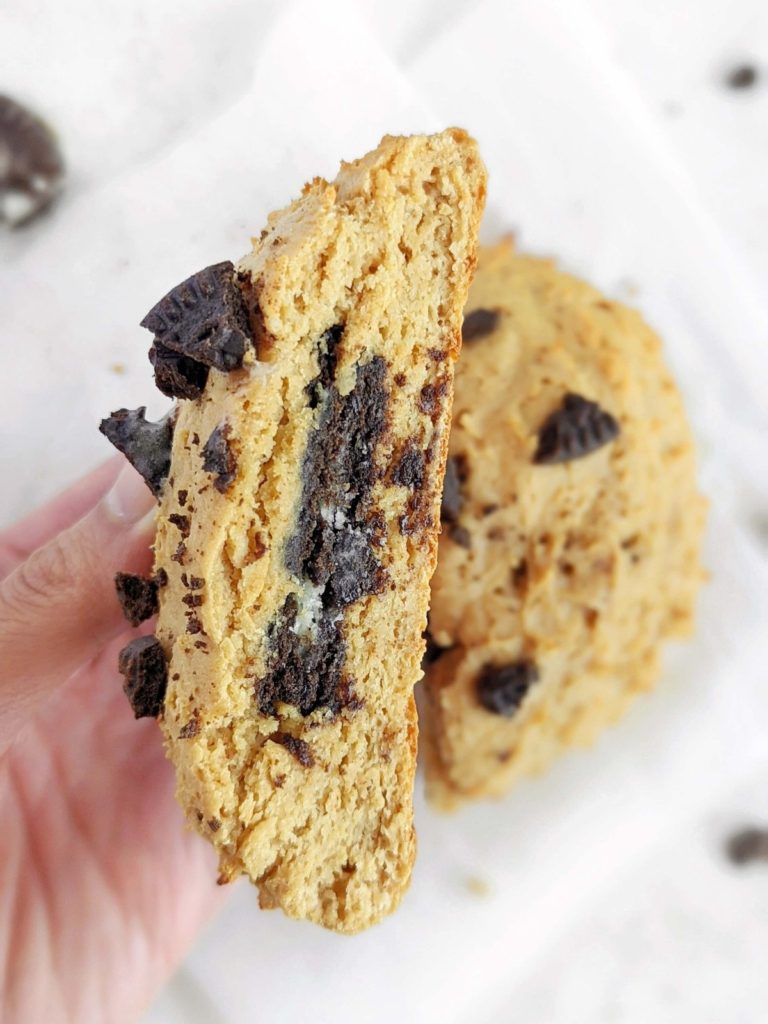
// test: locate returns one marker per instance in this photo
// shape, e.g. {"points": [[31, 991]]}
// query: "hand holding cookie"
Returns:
{"points": [[96, 849]]}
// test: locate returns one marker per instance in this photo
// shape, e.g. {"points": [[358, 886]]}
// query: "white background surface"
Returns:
{"points": [[611, 142]]}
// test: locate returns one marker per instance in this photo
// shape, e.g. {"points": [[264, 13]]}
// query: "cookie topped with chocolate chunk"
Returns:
{"points": [[299, 495], [571, 527]]}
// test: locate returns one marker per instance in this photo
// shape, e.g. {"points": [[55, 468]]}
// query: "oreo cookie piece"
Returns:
{"points": [[453, 499], [578, 428], [502, 688], [142, 664], [177, 376], [219, 458], [479, 323], [747, 846], [146, 445], [31, 164], [203, 321], [137, 596]]}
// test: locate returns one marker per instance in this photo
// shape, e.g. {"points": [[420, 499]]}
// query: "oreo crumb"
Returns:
{"points": [[142, 664], [431, 397], [194, 625], [743, 76], [161, 577], [747, 846], [180, 522], [182, 496], [479, 323], [578, 428], [400, 379], [203, 319], [137, 596], [146, 445], [31, 164], [219, 459], [180, 553], [502, 688], [409, 469], [195, 583], [460, 535], [191, 729], [193, 600], [214, 824], [456, 472], [299, 749]]}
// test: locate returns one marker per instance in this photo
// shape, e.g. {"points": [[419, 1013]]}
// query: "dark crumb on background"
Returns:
{"points": [[747, 845], [31, 164], [742, 76]]}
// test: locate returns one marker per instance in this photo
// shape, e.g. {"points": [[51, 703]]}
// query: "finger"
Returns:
{"points": [[58, 608], [36, 529]]}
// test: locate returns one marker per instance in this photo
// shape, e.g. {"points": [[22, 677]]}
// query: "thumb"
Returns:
{"points": [[59, 607]]}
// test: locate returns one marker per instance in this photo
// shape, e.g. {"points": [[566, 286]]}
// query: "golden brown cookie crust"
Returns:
{"points": [[316, 806], [581, 568]]}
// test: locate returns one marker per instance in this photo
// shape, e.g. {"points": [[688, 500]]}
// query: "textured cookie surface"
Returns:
{"points": [[571, 527], [297, 529]]}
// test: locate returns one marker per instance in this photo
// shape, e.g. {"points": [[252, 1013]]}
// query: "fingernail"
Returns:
{"points": [[129, 499]]}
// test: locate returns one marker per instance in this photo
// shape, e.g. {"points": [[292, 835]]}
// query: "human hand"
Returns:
{"points": [[101, 887]]}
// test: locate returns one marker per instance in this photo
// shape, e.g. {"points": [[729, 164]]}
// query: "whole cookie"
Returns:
{"points": [[571, 527], [299, 482]]}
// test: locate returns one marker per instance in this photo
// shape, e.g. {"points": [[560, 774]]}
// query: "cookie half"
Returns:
{"points": [[297, 530], [571, 528]]}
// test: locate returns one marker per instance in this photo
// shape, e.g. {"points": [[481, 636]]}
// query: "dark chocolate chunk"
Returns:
{"points": [[578, 428], [502, 688], [204, 318], [743, 76], [748, 845], [194, 625], [409, 469], [142, 663], [177, 375], [182, 496], [456, 472], [137, 596], [479, 323], [146, 445], [193, 600], [31, 165], [219, 459], [161, 577], [299, 749]]}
